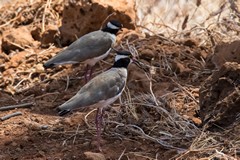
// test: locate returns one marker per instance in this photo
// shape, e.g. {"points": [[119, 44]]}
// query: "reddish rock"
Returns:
{"points": [[17, 38], [3, 58], [81, 17], [219, 96], [94, 156], [16, 59], [49, 36], [226, 52]]}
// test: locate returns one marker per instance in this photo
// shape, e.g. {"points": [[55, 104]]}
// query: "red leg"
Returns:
{"points": [[98, 122], [88, 73]]}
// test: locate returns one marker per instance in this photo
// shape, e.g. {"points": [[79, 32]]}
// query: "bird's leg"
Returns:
{"points": [[98, 122], [88, 73]]}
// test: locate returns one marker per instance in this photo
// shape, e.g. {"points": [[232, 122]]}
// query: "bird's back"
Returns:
{"points": [[91, 45], [101, 88]]}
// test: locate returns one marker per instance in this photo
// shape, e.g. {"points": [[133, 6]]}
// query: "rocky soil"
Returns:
{"points": [[186, 106]]}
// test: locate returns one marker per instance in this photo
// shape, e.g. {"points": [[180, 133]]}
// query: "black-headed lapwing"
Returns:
{"points": [[89, 48], [102, 90]]}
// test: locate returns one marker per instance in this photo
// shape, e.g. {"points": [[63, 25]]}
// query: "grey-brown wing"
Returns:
{"points": [[88, 46], [103, 87]]}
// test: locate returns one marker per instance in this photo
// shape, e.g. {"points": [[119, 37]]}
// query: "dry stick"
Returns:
{"points": [[10, 116], [25, 105], [123, 152], [190, 94], [24, 79], [18, 45], [139, 131], [112, 14], [11, 20], [46, 7], [67, 85], [129, 107], [76, 134], [85, 118], [47, 94], [158, 35], [234, 7], [151, 90]]}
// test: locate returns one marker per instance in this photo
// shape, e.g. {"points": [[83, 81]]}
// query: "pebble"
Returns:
{"points": [[6, 143], [14, 144], [94, 156], [44, 127], [197, 121]]}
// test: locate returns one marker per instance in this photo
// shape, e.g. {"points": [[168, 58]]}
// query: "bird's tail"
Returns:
{"points": [[70, 105], [63, 112], [48, 64]]}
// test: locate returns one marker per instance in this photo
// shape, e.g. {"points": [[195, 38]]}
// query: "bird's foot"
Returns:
{"points": [[98, 142]]}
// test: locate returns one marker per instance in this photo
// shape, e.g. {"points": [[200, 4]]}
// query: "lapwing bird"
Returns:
{"points": [[102, 90], [88, 49]]}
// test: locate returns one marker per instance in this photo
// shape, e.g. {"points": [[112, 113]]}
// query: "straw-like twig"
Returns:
{"points": [[86, 120], [112, 14], [10, 116], [24, 105]]}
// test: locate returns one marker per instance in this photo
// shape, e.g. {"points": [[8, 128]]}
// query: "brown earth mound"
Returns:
{"points": [[219, 96], [155, 118]]}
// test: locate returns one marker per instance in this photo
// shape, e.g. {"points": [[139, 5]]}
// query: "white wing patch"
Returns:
{"points": [[66, 62], [94, 60]]}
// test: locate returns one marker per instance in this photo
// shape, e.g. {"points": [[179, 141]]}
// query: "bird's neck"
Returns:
{"points": [[122, 63], [109, 30]]}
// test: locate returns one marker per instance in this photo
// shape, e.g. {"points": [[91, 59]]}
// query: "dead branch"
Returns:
{"points": [[234, 7], [10, 116], [25, 105], [112, 14]]}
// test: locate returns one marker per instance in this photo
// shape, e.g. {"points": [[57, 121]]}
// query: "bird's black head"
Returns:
{"points": [[122, 59], [113, 27]]}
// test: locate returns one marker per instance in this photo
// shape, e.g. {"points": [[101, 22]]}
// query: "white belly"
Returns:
{"points": [[93, 61]]}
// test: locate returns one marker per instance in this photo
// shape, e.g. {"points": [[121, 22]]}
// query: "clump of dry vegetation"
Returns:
{"points": [[158, 107]]}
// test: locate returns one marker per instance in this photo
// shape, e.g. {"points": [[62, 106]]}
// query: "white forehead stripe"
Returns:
{"points": [[120, 57], [112, 26]]}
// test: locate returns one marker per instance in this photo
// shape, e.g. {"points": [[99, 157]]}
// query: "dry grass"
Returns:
{"points": [[34, 13], [147, 117], [209, 24]]}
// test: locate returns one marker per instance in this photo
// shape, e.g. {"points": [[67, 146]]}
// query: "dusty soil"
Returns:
{"points": [[156, 117]]}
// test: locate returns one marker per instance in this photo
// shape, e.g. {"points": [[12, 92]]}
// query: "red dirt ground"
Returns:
{"points": [[136, 127]]}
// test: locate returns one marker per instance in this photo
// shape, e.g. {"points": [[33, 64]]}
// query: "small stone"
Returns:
{"points": [[6, 143], [41, 153], [39, 68], [44, 127], [26, 138], [3, 157], [6, 132], [94, 156], [197, 121], [86, 144], [14, 144], [185, 116]]}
